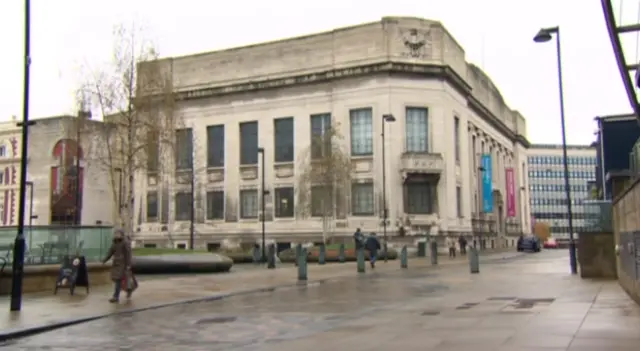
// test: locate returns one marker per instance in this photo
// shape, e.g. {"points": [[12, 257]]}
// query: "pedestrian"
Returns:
{"points": [[462, 242], [120, 253], [358, 239], [372, 245], [451, 244]]}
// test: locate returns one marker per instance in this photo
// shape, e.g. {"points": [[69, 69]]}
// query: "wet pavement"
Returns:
{"points": [[47, 309], [520, 303]]}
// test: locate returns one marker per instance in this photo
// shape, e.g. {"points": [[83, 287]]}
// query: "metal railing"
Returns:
{"points": [[50, 244]]}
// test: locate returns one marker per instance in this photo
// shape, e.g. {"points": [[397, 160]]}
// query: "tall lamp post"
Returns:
{"points": [[545, 35], [388, 118], [19, 244], [263, 193], [31, 216]]}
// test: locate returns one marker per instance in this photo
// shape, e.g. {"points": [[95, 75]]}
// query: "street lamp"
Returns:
{"points": [[263, 193], [31, 216], [545, 35], [17, 266], [388, 118]]}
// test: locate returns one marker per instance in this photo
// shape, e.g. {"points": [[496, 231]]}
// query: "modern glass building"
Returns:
{"points": [[547, 187]]}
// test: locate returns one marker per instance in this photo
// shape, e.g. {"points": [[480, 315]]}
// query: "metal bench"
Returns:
{"points": [[5, 255]]}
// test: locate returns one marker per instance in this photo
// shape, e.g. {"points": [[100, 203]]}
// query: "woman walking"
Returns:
{"points": [[120, 252]]}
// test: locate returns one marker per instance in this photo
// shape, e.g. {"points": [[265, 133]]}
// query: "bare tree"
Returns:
{"points": [[135, 97], [325, 179]]}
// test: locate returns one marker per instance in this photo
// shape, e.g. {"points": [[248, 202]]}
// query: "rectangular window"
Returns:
{"points": [[249, 206], [362, 203], [319, 196], [184, 148], [215, 205], [184, 205], [153, 151], [152, 206], [215, 146], [249, 143], [320, 141], [456, 138], [459, 201], [283, 135], [361, 131], [417, 129], [284, 202], [420, 197]]}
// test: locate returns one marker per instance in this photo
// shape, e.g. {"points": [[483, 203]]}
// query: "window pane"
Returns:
{"points": [[215, 205], [459, 201], [153, 148], [184, 205], [215, 146], [249, 203], [184, 148], [456, 137], [249, 143], [284, 202], [420, 198], [283, 135], [152, 206], [320, 123], [361, 131], [362, 199], [417, 129]]}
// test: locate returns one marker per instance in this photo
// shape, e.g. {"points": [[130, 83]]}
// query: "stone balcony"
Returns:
{"points": [[422, 162]]}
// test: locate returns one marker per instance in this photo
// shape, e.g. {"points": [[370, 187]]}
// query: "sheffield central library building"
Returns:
{"points": [[278, 95]]}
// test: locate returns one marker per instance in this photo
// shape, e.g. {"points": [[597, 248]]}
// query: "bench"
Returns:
{"points": [[54, 249]]}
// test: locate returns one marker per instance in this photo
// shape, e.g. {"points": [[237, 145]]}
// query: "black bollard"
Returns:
{"points": [[322, 255], [404, 257], [422, 249], [360, 259], [271, 257], [301, 260], [434, 252], [474, 261], [341, 256]]}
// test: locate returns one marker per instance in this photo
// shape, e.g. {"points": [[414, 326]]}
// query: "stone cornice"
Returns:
{"points": [[428, 71]]}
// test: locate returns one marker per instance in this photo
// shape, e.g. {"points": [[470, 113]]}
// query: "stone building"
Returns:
{"points": [[277, 95], [63, 195]]}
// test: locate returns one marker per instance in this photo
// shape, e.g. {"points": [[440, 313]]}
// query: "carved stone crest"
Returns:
{"points": [[416, 43]]}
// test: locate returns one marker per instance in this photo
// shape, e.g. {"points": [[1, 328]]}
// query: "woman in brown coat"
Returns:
{"points": [[120, 251]]}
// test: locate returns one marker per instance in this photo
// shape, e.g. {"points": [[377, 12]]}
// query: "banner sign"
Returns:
{"points": [[511, 192], [487, 186]]}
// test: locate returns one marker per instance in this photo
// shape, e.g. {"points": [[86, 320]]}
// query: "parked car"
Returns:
{"points": [[550, 243], [529, 243]]}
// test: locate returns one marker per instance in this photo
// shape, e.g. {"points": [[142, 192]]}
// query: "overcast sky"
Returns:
{"points": [[496, 35]]}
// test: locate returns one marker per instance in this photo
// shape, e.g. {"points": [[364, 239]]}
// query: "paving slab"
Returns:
{"points": [[45, 310]]}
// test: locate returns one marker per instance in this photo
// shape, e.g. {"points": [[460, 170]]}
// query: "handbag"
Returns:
{"points": [[129, 282]]}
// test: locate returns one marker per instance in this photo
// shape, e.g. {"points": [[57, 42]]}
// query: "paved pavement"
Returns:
{"points": [[517, 303], [47, 309]]}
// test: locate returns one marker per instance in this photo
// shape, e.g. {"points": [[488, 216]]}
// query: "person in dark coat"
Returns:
{"points": [[358, 239], [462, 242], [372, 245], [120, 252]]}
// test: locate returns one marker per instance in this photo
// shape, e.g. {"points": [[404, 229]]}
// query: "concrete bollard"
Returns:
{"points": [[302, 264], [271, 257], [360, 255], [434, 252], [403, 257], [341, 255], [422, 249], [322, 255], [474, 260]]}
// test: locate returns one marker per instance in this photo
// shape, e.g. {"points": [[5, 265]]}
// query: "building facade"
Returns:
{"points": [[64, 188], [279, 96], [547, 186], [616, 137]]}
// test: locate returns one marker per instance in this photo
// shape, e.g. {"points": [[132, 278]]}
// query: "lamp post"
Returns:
{"points": [[19, 244], [388, 118], [545, 35], [263, 193], [31, 216]]}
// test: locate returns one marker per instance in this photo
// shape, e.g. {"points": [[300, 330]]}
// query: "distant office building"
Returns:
{"points": [[547, 186], [616, 136]]}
